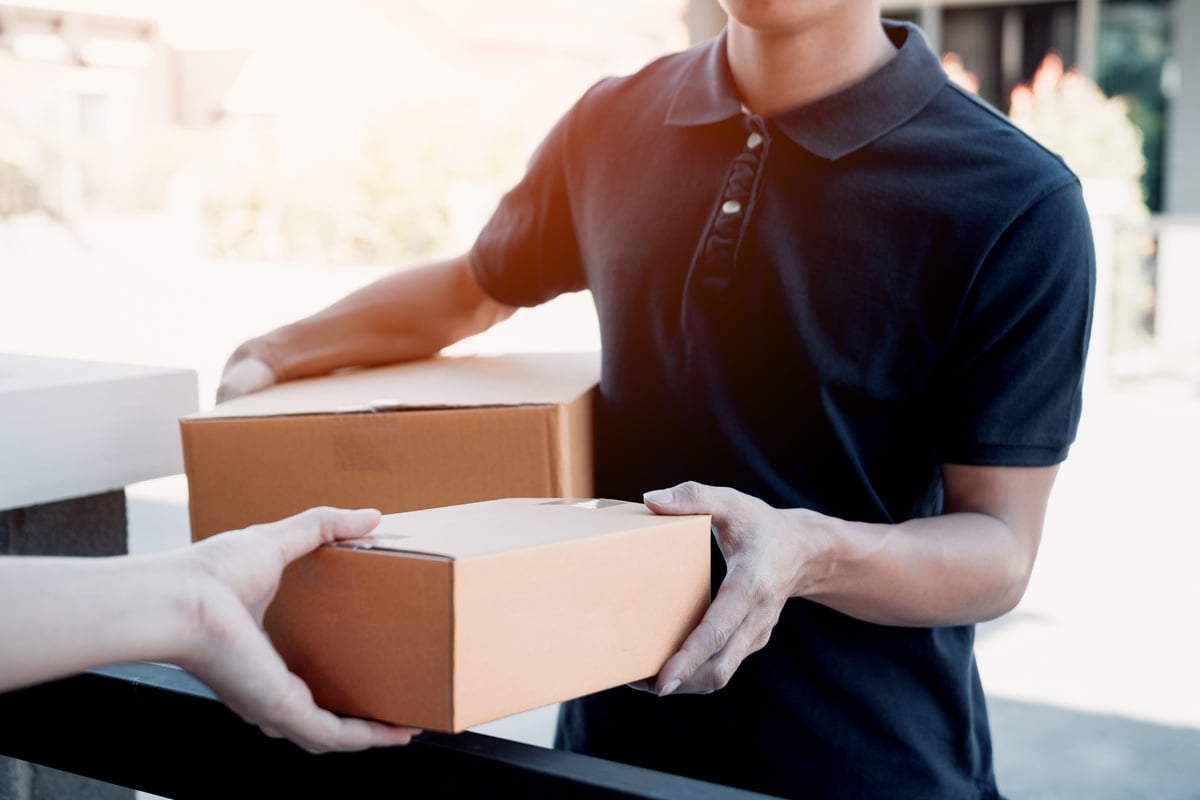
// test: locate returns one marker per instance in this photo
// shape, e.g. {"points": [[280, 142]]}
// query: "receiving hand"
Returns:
{"points": [[235, 576], [767, 551]]}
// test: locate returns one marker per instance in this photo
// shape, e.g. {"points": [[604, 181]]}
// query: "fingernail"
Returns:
{"points": [[670, 687], [661, 497]]}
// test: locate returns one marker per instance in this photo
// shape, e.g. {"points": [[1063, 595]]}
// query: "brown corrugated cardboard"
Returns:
{"points": [[437, 432], [450, 617]]}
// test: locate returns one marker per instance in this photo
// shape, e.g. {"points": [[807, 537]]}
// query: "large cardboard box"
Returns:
{"points": [[451, 617], [441, 431]]}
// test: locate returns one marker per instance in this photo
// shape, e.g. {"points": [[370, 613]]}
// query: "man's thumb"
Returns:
{"points": [[685, 498]]}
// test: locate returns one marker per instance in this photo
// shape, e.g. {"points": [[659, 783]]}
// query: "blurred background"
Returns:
{"points": [[176, 177], [224, 144]]}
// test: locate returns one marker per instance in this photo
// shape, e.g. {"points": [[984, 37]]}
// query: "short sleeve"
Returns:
{"points": [[527, 253], [1010, 391]]}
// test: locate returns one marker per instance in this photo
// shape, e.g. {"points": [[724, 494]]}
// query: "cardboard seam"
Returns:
{"points": [[358, 409]]}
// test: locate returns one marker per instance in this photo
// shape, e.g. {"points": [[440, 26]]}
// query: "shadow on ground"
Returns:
{"points": [[1044, 752]]}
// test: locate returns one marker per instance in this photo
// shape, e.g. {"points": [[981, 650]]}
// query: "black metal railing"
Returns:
{"points": [[154, 728]]}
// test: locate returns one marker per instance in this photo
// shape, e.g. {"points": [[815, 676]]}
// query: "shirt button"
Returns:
{"points": [[753, 141], [731, 207]]}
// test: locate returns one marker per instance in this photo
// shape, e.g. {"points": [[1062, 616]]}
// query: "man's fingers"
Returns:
{"points": [[684, 498], [725, 615], [743, 614], [715, 673], [690, 497], [717, 670], [243, 377]]}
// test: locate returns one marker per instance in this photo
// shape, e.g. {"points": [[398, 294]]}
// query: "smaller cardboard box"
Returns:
{"points": [[450, 617], [435, 432]]}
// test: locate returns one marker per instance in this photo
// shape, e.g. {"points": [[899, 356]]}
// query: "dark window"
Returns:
{"points": [[1133, 52], [1004, 44]]}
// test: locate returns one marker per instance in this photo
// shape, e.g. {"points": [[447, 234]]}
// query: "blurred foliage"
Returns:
{"points": [[137, 176], [375, 188], [1070, 115], [382, 196], [19, 150], [958, 72]]}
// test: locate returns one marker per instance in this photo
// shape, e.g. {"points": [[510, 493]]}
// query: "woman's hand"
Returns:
{"points": [[235, 575]]}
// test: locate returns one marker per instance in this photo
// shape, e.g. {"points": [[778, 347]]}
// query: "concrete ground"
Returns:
{"points": [[1091, 680]]}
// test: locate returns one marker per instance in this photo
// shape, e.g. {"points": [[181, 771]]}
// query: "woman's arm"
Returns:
{"points": [[199, 607]]}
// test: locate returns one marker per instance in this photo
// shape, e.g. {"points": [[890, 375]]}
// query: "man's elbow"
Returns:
{"points": [[1012, 583]]}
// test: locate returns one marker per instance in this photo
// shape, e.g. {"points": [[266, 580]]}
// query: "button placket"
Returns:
{"points": [[724, 234]]}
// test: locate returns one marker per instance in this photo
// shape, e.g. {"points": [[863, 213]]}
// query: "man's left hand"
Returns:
{"points": [[769, 554]]}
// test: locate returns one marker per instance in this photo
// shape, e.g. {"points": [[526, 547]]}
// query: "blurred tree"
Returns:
{"points": [[1069, 114], [957, 71], [383, 197]]}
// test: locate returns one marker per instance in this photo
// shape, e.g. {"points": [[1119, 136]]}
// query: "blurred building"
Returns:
{"points": [[265, 113], [383, 129], [76, 88]]}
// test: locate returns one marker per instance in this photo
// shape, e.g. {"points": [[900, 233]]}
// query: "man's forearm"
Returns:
{"points": [[968, 565], [409, 314], [954, 569]]}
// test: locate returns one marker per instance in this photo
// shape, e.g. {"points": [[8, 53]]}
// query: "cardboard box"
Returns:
{"points": [[451, 617], [437, 432]]}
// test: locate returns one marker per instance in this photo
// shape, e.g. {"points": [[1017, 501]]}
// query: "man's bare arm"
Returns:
{"points": [[970, 564], [409, 314]]}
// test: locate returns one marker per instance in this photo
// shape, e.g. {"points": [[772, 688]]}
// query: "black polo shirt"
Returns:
{"points": [[820, 309]]}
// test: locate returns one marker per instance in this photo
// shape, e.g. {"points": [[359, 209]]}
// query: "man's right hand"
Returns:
{"points": [[244, 374]]}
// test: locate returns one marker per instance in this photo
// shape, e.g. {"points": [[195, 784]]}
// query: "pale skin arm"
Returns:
{"points": [[409, 314], [968, 565], [199, 607]]}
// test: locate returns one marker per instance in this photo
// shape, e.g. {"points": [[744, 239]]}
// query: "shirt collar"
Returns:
{"points": [[832, 126]]}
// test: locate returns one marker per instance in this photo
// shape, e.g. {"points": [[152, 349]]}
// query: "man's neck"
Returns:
{"points": [[776, 71]]}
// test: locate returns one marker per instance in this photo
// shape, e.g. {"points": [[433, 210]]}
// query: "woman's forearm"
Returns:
{"points": [[59, 615]]}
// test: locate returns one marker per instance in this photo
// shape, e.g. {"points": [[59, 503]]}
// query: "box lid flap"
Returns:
{"points": [[494, 526], [439, 382]]}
